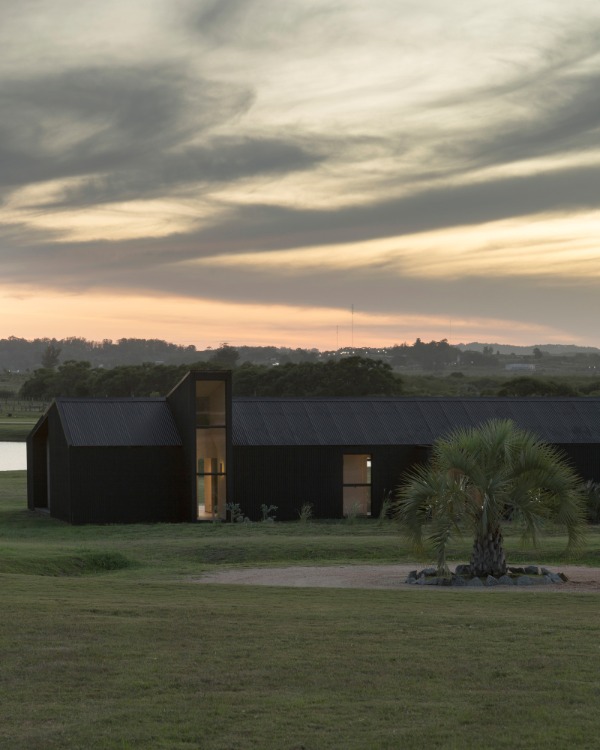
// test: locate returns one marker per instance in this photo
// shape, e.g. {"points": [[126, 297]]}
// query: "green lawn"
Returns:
{"points": [[141, 657], [15, 429], [19, 424]]}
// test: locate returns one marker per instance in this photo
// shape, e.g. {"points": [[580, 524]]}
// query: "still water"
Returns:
{"points": [[13, 456]]}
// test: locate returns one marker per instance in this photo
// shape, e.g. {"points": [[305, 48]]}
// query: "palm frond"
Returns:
{"points": [[479, 476]]}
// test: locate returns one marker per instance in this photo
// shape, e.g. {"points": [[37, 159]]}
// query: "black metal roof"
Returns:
{"points": [[405, 420], [117, 422], [330, 421]]}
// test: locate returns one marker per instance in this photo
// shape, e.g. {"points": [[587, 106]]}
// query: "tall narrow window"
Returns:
{"points": [[357, 484], [211, 448]]}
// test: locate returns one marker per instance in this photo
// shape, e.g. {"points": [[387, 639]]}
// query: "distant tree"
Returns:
{"points": [[401, 354], [74, 379], [79, 379], [360, 376], [137, 380], [348, 376], [435, 355], [527, 386], [125, 380], [591, 387], [474, 358], [50, 356], [225, 357], [41, 386]]}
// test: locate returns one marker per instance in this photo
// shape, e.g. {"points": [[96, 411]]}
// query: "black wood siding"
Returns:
{"points": [[128, 485], [59, 477], [37, 467], [288, 477], [183, 407], [585, 459], [48, 467], [389, 467]]}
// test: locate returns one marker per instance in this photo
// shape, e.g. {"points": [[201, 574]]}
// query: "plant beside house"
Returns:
{"points": [[477, 481]]}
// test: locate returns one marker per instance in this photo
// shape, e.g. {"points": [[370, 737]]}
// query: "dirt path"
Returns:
{"points": [[581, 579]]}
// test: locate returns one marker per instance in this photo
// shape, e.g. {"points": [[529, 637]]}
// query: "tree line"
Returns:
{"points": [[349, 376], [21, 355], [352, 376]]}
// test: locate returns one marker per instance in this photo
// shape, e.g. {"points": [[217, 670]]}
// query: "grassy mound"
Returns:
{"points": [[76, 564]]}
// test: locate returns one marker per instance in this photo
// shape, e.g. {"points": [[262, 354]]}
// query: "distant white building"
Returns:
{"points": [[518, 367]]}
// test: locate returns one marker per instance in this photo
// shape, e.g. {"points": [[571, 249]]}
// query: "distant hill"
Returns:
{"points": [[554, 349], [21, 355]]}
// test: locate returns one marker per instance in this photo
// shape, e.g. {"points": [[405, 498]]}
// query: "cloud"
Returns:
{"points": [[375, 289], [261, 228], [556, 119], [97, 120], [220, 160], [266, 27], [214, 137], [268, 227]]}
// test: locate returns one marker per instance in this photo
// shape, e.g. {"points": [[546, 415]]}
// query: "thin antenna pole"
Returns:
{"points": [[352, 328]]}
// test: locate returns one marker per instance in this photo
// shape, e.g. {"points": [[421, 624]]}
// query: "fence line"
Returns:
{"points": [[10, 405]]}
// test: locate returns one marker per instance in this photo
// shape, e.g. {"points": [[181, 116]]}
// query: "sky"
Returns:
{"points": [[307, 173]]}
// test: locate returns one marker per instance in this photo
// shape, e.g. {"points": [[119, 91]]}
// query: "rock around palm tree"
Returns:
{"points": [[477, 480]]}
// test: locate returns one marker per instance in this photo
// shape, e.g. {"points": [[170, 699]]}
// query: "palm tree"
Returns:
{"points": [[478, 479]]}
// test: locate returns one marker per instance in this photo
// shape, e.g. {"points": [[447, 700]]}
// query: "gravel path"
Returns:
{"points": [[581, 579]]}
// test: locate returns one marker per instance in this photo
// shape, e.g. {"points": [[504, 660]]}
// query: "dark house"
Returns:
{"points": [[107, 461], [187, 456]]}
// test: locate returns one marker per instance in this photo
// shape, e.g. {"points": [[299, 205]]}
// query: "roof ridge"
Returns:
{"points": [[107, 399]]}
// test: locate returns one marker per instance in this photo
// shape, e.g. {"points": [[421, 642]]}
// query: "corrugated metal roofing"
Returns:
{"points": [[374, 421], [405, 421], [117, 422]]}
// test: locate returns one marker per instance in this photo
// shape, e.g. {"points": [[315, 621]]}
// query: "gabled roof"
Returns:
{"points": [[329, 421], [405, 421], [117, 422]]}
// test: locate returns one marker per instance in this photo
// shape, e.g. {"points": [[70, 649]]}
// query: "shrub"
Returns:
{"points": [[268, 512], [305, 513]]}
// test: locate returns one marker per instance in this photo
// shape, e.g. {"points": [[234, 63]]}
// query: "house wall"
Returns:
{"points": [[181, 403], [288, 477], [585, 459], [37, 466], [48, 477], [390, 465], [128, 485], [59, 470]]}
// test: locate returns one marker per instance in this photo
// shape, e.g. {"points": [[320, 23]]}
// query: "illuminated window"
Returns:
{"points": [[357, 484], [211, 448]]}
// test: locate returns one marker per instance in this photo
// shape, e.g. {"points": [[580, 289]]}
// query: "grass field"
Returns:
{"points": [[16, 421], [15, 429], [106, 643]]}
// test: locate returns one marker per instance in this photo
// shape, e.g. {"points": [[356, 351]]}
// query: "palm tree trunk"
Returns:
{"points": [[487, 557]]}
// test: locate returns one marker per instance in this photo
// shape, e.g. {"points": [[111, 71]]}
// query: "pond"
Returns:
{"points": [[13, 456]]}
